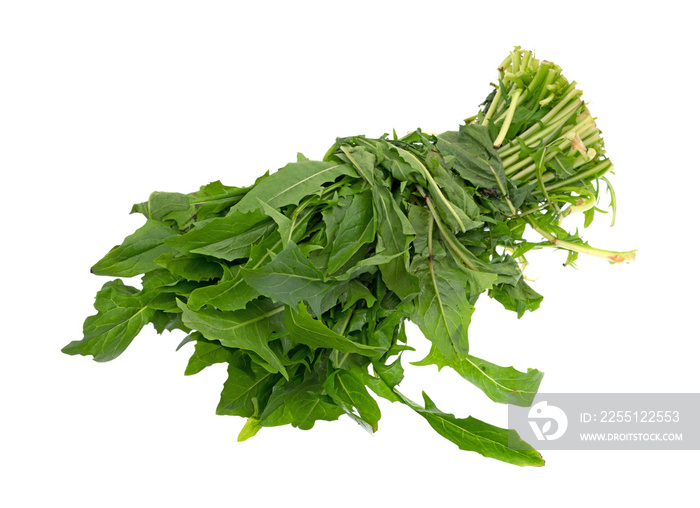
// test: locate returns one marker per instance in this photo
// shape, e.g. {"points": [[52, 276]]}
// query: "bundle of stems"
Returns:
{"points": [[548, 142]]}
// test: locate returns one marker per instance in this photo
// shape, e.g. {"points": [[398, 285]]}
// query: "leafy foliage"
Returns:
{"points": [[302, 282]]}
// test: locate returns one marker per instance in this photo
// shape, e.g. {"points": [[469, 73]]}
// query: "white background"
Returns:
{"points": [[103, 102]]}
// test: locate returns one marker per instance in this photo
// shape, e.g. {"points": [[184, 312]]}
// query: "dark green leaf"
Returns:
{"points": [[442, 309], [306, 408], [362, 160], [209, 200], [194, 269], [291, 278], [207, 353], [303, 328], [231, 293], [290, 184], [518, 298], [161, 204], [501, 384], [402, 165], [228, 238], [246, 390], [474, 435], [122, 311], [284, 224], [350, 393], [395, 233], [162, 321], [475, 159], [356, 228], [249, 329], [137, 253]]}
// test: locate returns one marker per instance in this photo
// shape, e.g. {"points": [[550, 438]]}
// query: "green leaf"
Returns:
{"points": [[305, 408], [246, 390], [207, 353], [208, 201], [158, 280], [479, 282], [395, 233], [303, 328], [442, 309], [355, 292], [366, 265], [249, 329], [454, 217], [195, 269], [290, 184], [122, 311], [362, 160], [284, 224], [251, 427], [457, 193], [518, 298], [391, 374], [161, 204], [350, 393], [506, 268], [162, 321], [300, 402], [475, 159], [384, 330], [563, 165], [227, 238], [231, 293], [165, 302], [474, 435], [291, 278], [402, 165], [137, 253], [500, 384], [332, 217], [356, 228]]}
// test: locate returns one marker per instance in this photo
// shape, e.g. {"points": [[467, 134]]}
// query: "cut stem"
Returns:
{"points": [[508, 119]]}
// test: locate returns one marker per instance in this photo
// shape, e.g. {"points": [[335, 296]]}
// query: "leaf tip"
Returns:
{"points": [[251, 427]]}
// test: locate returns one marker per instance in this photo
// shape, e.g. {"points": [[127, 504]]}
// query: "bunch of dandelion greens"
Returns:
{"points": [[302, 282]]}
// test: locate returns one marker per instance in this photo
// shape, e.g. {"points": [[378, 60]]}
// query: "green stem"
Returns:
{"points": [[612, 256], [601, 168], [347, 319], [516, 60], [505, 63], [555, 115], [582, 204], [551, 76], [529, 167], [492, 106], [436, 189], [445, 236], [528, 212], [539, 78], [508, 119]]}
